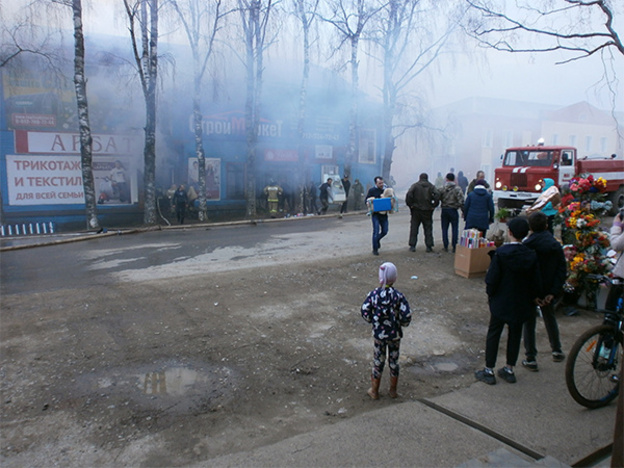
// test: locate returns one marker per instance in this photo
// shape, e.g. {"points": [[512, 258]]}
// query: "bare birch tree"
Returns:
{"points": [[143, 27], [305, 10], [86, 140], [350, 17], [201, 23], [578, 27], [80, 83], [255, 16], [409, 40]]}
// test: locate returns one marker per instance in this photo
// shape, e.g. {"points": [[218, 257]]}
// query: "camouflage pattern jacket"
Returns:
{"points": [[451, 196]]}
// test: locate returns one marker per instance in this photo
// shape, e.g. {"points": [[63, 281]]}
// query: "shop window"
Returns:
{"points": [[367, 146], [235, 181]]}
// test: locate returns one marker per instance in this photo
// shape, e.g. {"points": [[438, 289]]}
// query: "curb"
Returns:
{"points": [[83, 236]]}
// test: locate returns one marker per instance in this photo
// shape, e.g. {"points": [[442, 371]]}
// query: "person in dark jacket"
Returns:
{"points": [[480, 176], [325, 195], [180, 200], [311, 197], [479, 208], [422, 198], [462, 181], [346, 185], [552, 265], [513, 287]]}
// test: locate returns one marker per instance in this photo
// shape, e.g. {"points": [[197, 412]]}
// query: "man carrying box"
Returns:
{"points": [[380, 220]]}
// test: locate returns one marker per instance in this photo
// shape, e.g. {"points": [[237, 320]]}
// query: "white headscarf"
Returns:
{"points": [[387, 273]]}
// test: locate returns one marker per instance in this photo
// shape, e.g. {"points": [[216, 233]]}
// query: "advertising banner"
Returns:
{"points": [[44, 180], [57, 180], [213, 178]]}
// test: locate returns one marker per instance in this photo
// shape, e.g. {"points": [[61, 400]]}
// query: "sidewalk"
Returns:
{"points": [[531, 423]]}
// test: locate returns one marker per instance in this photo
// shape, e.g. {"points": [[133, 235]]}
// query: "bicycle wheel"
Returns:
{"points": [[592, 369]]}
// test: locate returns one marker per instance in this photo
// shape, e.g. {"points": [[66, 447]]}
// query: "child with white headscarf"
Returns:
{"points": [[388, 311]]}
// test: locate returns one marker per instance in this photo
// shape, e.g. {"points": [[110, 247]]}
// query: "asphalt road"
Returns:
{"points": [[187, 251]]}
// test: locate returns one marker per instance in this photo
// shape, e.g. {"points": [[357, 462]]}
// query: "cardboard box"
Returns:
{"points": [[471, 263], [382, 204]]}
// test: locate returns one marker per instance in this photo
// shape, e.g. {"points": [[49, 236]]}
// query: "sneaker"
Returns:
{"points": [[530, 364], [507, 374], [375, 252], [558, 356], [486, 377], [446, 249], [412, 249], [429, 249]]}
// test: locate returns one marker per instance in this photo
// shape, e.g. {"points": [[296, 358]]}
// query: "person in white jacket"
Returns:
{"points": [[617, 244]]}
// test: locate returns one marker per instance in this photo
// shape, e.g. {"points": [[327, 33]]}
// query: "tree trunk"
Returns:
{"points": [[353, 124], [253, 39], [199, 147], [86, 141], [303, 95], [150, 54]]}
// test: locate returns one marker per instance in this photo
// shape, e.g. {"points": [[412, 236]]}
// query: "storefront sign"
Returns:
{"points": [[69, 143]]}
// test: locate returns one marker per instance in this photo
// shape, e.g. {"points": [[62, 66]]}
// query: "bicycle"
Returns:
{"points": [[593, 367]]}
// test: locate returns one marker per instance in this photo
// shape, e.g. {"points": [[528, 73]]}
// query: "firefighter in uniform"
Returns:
{"points": [[273, 193]]}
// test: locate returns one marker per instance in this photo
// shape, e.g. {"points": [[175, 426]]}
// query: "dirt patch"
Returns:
{"points": [[178, 371]]}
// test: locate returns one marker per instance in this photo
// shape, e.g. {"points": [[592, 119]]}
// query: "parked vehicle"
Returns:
{"points": [[520, 179]]}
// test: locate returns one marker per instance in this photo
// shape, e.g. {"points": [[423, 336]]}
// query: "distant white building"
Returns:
{"points": [[476, 131]]}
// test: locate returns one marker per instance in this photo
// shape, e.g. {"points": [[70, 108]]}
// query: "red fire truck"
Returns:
{"points": [[521, 178]]}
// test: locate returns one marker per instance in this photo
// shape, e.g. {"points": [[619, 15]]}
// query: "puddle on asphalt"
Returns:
{"points": [[440, 364], [446, 366], [164, 384], [175, 381]]}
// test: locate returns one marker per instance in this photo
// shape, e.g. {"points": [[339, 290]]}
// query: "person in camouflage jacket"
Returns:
{"points": [[451, 199]]}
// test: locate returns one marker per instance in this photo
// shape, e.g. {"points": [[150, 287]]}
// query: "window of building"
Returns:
{"points": [[487, 139], [509, 138], [235, 181], [367, 146], [588, 143], [572, 140], [603, 145], [555, 139]]}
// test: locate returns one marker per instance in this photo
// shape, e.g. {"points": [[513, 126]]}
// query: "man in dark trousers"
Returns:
{"points": [[422, 198], [451, 199], [311, 197], [180, 200], [380, 220], [325, 194], [552, 265], [513, 288], [346, 185]]}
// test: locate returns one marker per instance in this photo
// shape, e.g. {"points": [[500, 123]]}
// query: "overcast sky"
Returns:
{"points": [[487, 73], [527, 77]]}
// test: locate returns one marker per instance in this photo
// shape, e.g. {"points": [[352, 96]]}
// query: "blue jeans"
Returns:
{"points": [[450, 216], [380, 228]]}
